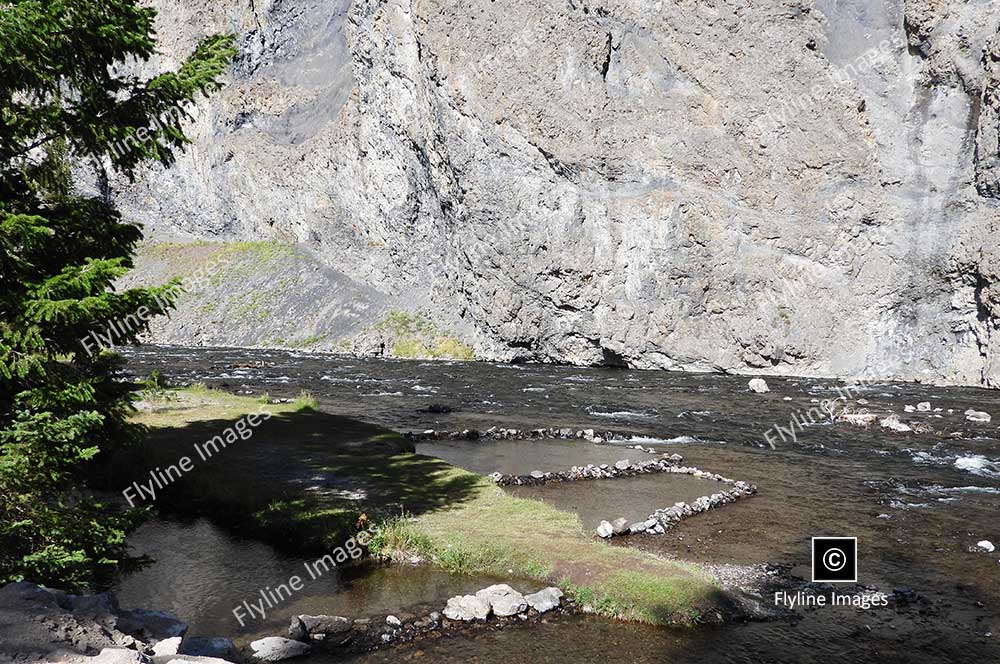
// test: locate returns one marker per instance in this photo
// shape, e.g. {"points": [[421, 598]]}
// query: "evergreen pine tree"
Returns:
{"points": [[66, 97]]}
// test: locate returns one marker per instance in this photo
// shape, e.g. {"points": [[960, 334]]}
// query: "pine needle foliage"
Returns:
{"points": [[68, 97]]}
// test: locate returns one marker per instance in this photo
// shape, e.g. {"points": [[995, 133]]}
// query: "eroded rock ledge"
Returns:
{"points": [[40, 624]]}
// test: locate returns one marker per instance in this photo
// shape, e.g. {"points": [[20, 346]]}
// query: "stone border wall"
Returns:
{"points": [[662, 520], [621, 468], [500, 433], [658, 523]]}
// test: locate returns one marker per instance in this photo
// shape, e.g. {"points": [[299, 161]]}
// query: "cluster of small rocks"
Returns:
{"points": [[621, 468], [500, 433], [497, 605], [663, 520], [892, 421], [501, 601]]}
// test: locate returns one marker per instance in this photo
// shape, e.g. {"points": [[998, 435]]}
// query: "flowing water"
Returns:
{"points": [[917, 501], [202, 573]]}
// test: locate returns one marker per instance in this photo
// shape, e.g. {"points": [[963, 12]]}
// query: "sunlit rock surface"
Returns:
{"points": [[784, 187]]}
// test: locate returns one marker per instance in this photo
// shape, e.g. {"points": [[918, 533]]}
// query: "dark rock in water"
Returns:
{"points": [[439, 408], [151, 625], [904, 594], [297, 630], [201, 646], [324, 624]]}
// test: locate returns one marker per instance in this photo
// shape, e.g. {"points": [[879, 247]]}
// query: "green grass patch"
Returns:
{"points": [[415, 336], [496, 533], [306, 342]]}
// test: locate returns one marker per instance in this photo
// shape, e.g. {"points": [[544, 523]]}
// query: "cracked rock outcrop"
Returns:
{"points": [[776, 187]]}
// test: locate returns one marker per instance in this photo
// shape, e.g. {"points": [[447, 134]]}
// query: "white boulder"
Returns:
{"points": [[120, 656], [758, 385], [504, 600], [620, 526], [467, 608], [544, 600], [278, 648], [167, 646], [977, 415]]}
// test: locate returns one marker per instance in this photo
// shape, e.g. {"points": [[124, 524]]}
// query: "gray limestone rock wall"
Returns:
{"points": [[769, 187]]}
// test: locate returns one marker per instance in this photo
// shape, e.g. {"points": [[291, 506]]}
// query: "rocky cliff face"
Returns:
{"points": [[776, 187]]}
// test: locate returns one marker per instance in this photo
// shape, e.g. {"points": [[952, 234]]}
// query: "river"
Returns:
{"points": [[917, 501]]}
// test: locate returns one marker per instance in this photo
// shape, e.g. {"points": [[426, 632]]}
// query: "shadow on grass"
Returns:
{"points": [[304, 481]]}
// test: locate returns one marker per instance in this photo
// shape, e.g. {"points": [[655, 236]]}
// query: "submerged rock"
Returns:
{"points": [[201, 646], [467, 608], [278, 648], [544, 600], [503, 600], [151, 625]]}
